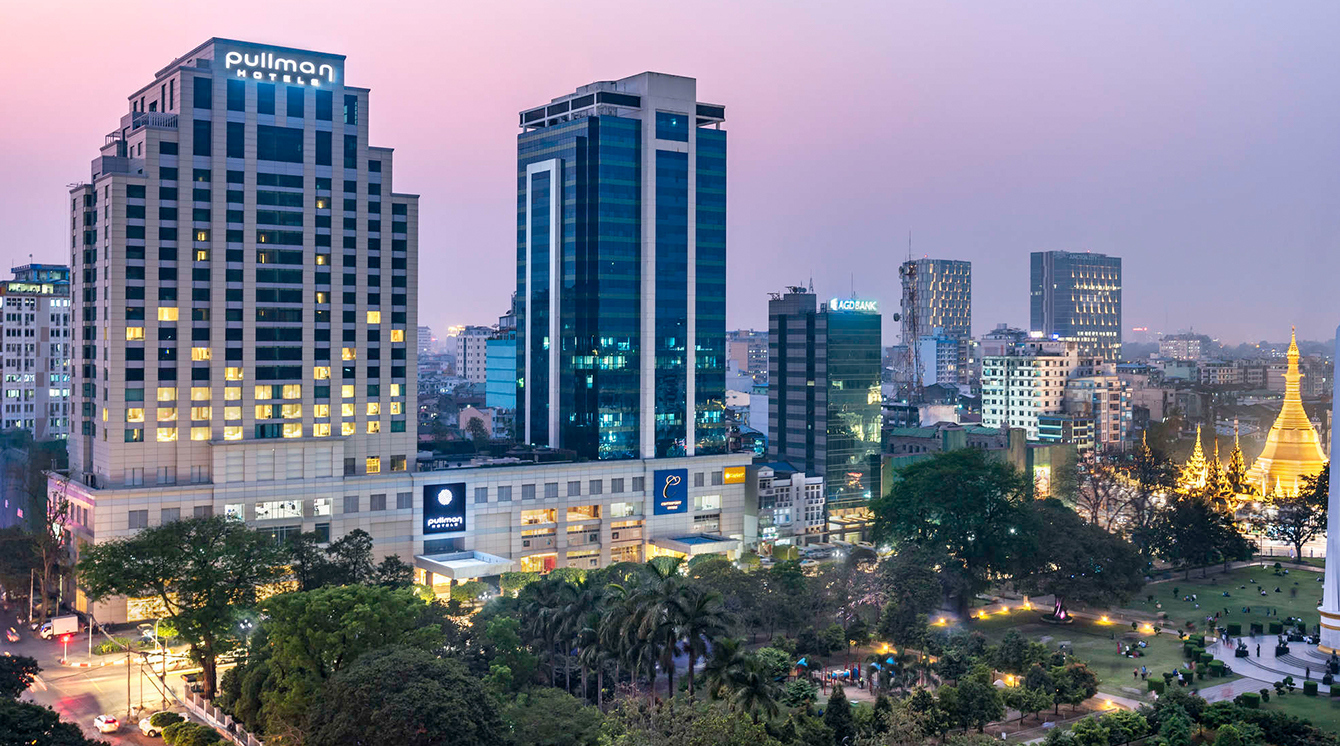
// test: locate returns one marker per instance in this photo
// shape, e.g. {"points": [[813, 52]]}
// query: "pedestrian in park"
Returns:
{"points": [[1258, 650]]}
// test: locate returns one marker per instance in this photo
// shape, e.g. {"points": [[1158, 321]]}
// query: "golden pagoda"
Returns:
{"points": [[1293, 449], [1195, 472]]}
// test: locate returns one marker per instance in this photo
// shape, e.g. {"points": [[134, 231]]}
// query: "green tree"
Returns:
{"points": [[679, 722], [1175, 728], [393, 572], [351, 558], [703, 620], [549, 717], [776, 664], [17, 673], [400, 696], [504, 648], [1300, 517], [799, 693], [837, 715], [1089, 732], [1078, 561], [978, 703], [204, 572], [964, 501], [314, 635], [1193, 532], [477, 432], [1075, 682], [1124, 726]]}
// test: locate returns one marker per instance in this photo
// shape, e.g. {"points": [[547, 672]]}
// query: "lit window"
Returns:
{"points": [[346, 428], [321, 372], [200, 353], [397, 407], [201, 414], [167, 393], [232, 374], [374, 317], [347, 409], [201, 255], [167, 314], [321, 429], [398, 463], [232, 393], [374, 464], [321, 203], [374, 408], [347, 390], [134, 332], [232, 432], [322, 259], [199, 393], [202, 235], [135, 415], [395, 389], [104, 414], [199, 433], [167, 414], [291, 411], [397, 335], [322, 297], [321, 410], [232, 413], [374, 427], [292, 429], [263, 392], [167, 434], [293, 391], [348, 353], [264, 411]]}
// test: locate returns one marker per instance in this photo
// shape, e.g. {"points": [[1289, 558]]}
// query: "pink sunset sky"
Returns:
{"points": [[1200, 141]]}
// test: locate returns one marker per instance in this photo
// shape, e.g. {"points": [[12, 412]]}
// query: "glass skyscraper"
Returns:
{"points": [[824, 411], [621, 271], [1077, 295]]}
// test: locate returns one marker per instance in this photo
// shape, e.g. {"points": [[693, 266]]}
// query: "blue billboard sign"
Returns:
{"points": [[443, 508], [672, 491]]}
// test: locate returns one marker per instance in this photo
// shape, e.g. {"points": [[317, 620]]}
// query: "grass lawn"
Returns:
{"points": [[1095, 643], [1323, 711], [1299, 596]]}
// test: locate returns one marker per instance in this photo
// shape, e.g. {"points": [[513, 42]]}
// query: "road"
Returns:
{"points": [[81, 694]]}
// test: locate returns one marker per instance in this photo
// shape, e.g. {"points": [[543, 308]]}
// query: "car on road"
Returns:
{"points": [[106, 724], [148, 729]]}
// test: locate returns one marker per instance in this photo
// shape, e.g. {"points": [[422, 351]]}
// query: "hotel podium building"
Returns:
{"points": [[244, 287]]}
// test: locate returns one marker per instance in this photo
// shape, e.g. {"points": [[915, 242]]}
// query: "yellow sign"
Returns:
{"points": [[734, 475]]}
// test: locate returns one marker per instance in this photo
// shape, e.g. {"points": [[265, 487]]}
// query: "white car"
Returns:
{"points": [[148, 729], [106, 724]]}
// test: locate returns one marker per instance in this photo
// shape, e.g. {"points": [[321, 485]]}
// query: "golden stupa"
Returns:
{"points": [[1293, 449]]}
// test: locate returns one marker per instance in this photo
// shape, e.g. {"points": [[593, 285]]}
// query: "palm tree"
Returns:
{"points": [[726, 663], [703, 620], [753, 692], [658, 619], [541, 621]]}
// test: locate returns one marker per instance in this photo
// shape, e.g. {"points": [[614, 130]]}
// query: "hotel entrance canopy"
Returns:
{"points": [[463, 565]]}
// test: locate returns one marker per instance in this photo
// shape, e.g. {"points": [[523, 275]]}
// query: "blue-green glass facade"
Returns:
{"points": [[594, 163], [632, 174]]}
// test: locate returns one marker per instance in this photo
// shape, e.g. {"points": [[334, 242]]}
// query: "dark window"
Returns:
{"points": [[265, 98], [670, 126], [135, 191], [375, 166], [322, 148], [167, 147], [203, 93], [202, 132], [324, 105], [236, 139], [350, 109], [294, 96], [167, 173], [351, 151], [237, 95], [279, 144]]}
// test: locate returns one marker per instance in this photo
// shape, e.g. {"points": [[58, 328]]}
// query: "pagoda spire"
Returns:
{"points": [[1195, 470], [1293, 448], [1235, 472]]}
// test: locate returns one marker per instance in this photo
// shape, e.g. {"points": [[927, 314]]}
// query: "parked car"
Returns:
{"points": [[106, 724], [148, 729]]}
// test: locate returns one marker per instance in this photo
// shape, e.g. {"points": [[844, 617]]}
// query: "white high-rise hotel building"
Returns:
{"points": [[245, 287]]}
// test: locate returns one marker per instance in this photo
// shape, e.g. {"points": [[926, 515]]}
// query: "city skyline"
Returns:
{"points": [[908, 90]]}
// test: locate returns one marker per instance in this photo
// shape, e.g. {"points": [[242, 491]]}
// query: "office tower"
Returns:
{"points": [[426, 340], [1028, 380], [471, 347], [824, 394], [937, 295], [748, 349], [621, 271], [36, 362], [245, 278], [1078, 296]]}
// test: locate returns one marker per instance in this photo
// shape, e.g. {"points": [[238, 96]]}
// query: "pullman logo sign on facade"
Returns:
{"points": [[269, 66], [672, 491], [443, 508]]}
